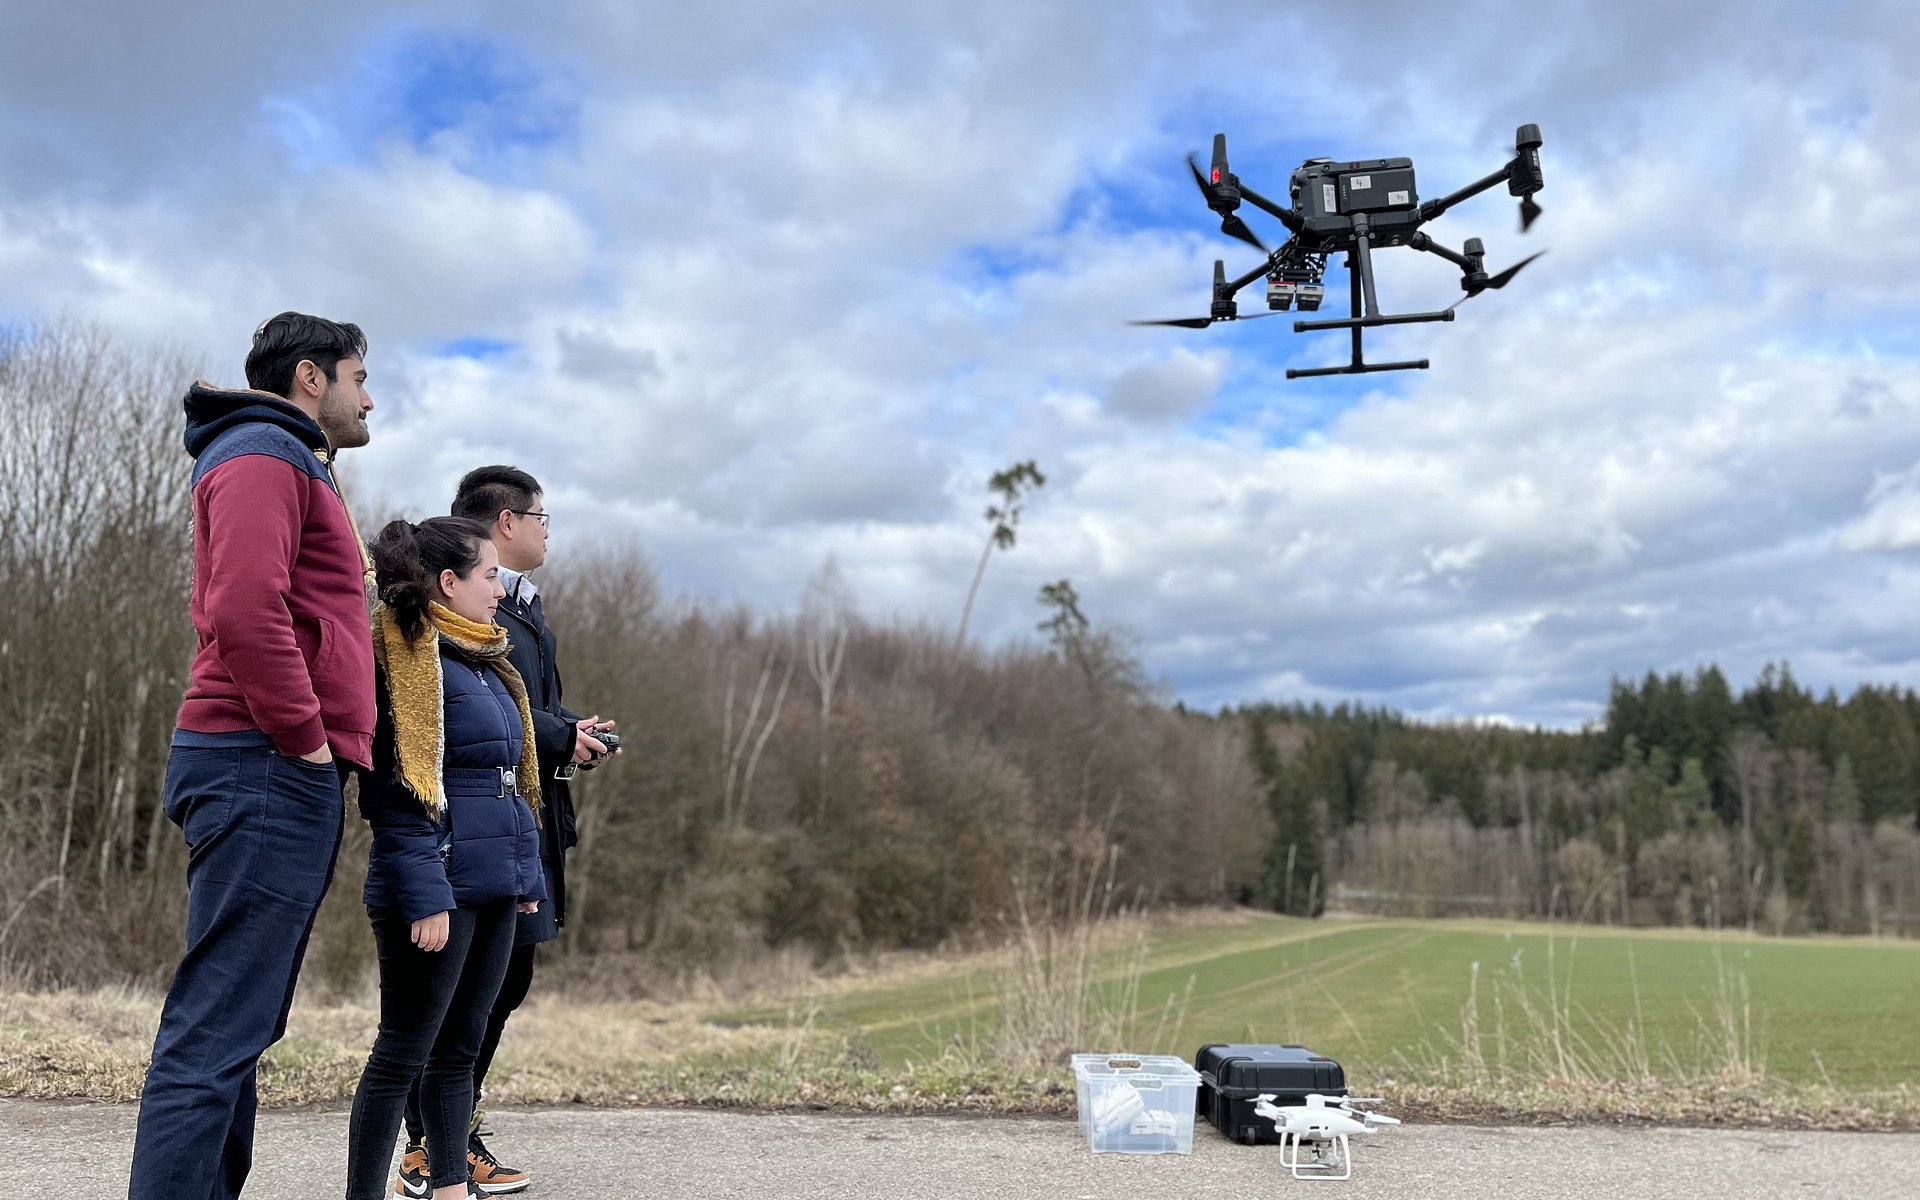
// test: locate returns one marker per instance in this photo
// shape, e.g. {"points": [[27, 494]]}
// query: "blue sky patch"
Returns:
{"points": [[478, 348], [482, 103], [1257, 396], [1154, 189]]}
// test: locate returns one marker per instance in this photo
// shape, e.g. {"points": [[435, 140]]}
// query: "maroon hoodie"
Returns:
{"points": [[279, 598]]}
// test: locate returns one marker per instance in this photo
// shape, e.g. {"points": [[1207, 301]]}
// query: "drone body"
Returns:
{"points": [[1313, 1136], [1352, 208]]}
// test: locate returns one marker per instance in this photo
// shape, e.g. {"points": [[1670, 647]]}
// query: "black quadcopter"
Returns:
{"points": [[1352, 207]]}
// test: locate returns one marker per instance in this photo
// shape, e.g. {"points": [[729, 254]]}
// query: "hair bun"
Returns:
{"points": [[405, 594]]}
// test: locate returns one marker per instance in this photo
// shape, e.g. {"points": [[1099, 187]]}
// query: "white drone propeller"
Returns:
{"points": [[1371, 1118]]}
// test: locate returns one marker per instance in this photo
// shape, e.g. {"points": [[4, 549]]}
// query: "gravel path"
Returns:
{"points": [[83, 1150]]}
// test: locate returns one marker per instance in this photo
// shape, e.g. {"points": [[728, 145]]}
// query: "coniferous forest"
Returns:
{"points": [[1775, 809]]}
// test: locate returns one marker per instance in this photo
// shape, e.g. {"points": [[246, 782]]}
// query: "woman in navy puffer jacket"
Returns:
{"points": [[453, 798]]}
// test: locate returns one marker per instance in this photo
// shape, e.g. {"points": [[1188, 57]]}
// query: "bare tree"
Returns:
{"points": [[1756, 774], [742, 753], [824, 614], [95, 549]]}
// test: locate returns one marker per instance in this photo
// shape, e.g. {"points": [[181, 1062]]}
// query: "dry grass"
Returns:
{"points": [[1698, 1102], [94, 1045]]}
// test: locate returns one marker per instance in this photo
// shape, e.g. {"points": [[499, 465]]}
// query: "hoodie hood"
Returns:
{"points": [[212, 411]]}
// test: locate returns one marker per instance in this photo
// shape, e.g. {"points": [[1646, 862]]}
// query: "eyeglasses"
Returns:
{"points": [[541, 517]]}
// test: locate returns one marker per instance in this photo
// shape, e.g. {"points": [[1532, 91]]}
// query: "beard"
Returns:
{"points": [[343, 426]]}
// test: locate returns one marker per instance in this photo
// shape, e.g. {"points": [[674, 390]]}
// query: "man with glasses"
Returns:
{"points": [[508, 501]]}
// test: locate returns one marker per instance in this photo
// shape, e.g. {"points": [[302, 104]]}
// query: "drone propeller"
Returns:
{"points": [[1200, 180], [1222, 190], [1224, 309], [1230, 222], [1234, 227], [1506, 277], [1496, 281], [1203, 322], [1184, 322], [1529, 213], [1371, 1118]]}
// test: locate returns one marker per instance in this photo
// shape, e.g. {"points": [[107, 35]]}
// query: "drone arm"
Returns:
{"points": [[1434, 208], [1285, 216], [1421, 241], [1259, 272]]}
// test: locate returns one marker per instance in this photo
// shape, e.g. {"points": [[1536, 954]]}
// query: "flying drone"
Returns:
{"points": [[1352, 208], [1313, 1136]]}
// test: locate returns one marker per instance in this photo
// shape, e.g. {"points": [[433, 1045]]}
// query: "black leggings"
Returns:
{"points": [[433, 1015], [513, 990]]}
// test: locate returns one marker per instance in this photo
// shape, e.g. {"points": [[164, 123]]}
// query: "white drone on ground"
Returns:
{"points": [[1320, 1128]]}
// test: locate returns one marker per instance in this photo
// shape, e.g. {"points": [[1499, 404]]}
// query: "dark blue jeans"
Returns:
{"points": [[262, 833]]}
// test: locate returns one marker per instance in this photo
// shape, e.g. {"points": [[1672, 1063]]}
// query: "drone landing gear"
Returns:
{"points": [[1360, 286], [1328, 1155]]}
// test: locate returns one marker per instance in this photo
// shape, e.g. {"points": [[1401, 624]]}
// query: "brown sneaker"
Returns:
{"points": [[413, 1174], [490, 1174]]}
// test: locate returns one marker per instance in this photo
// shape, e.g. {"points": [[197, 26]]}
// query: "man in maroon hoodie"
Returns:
{"points": [[278, 706]]}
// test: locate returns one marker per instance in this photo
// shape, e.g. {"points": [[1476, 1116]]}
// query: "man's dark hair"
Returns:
{"points": [[283, 342], [484, 491]]}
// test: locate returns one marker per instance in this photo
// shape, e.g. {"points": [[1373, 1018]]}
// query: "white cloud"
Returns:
{"points": [[1892, 518], [802, 276], [1176, 386]]}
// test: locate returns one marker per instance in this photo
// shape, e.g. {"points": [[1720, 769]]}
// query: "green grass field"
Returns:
{"points": [[1393, 996], [1557, 1024]]}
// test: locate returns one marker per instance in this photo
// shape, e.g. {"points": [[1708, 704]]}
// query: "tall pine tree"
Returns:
{"points": [[1295, 870]]}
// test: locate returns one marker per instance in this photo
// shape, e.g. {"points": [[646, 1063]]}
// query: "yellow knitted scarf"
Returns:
{"points": [[416, 695]]}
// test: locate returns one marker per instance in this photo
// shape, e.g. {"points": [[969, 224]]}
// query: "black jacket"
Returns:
{"points": [[532, 651]]}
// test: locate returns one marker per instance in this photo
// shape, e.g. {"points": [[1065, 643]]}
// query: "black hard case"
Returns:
{"points": [[1232, 1076]]}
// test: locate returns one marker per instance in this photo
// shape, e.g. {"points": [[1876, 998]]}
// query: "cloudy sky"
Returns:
{"points": [[756, 284]]}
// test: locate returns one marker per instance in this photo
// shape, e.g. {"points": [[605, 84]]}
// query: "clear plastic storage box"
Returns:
{"points": [[1136, 1103]]}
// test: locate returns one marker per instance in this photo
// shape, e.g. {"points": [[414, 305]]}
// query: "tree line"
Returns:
{"points": [[1776, 809], [814, 778]]}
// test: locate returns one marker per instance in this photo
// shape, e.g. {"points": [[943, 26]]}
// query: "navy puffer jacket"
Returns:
{"points": [[494, 849]]}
